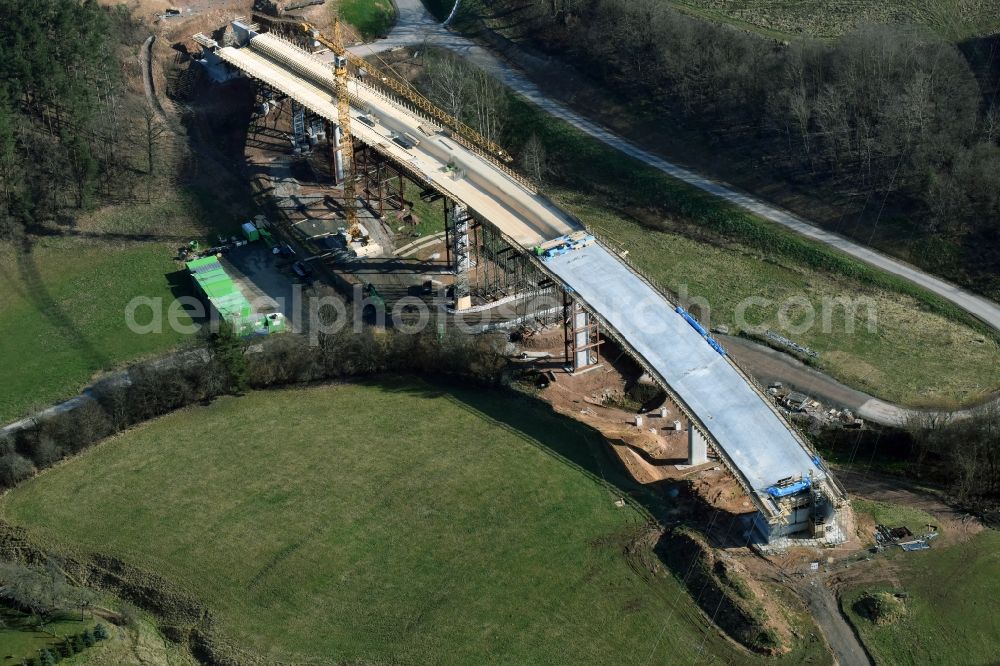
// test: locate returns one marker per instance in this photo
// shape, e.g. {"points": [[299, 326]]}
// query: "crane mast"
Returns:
{"points": [[340, 75], [462, 132]]}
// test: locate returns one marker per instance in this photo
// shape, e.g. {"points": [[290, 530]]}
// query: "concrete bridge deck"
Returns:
{"points": [[759, 447], [527, 217]]}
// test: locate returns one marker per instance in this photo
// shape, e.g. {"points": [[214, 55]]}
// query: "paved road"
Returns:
{"points": [[416, 26]]}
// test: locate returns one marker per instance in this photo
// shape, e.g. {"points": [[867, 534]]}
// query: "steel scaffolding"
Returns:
{"points": [[582, 335]]}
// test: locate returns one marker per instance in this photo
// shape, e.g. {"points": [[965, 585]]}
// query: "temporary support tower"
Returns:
{"points": [[582, 336], [457, 222]]}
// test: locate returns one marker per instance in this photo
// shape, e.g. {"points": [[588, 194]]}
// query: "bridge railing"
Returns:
{"points": [[623, 255], [407, 107]]}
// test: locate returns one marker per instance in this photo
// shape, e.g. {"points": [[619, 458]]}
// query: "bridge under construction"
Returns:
{"points": [[788, 484]]}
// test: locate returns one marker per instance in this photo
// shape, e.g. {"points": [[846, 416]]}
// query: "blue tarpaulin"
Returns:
{"points": [[790, 489]]}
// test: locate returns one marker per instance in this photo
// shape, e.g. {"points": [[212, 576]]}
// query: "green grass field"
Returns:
{"points": [[952, 607], [894, 515], [952, 19], [64, 302], [911, 355], [65, 321], [430, 215], [394, 522], [372, 18], [21, 637], [922, 351]]}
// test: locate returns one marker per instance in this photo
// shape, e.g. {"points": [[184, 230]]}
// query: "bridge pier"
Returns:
{"points": [[697, 446], [456, 227], [582, 336]]}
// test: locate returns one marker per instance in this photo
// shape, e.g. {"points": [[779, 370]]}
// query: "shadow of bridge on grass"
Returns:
{"points": [[581, 447], [584, 449], [533, 421]]}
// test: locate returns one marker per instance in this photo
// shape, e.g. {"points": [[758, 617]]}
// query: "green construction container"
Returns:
{"points": [[250, 231], [272, 324], [266, 236], [222, 294]]}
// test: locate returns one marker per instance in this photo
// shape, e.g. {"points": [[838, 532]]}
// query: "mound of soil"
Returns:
{"points": [[880, 608], [720, 590]]}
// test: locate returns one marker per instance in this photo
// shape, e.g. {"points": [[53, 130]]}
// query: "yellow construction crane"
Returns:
{"points": [[465, 134], [340, 76]]}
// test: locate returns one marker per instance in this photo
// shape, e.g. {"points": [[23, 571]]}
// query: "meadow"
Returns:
{"points": [[952, 604], [894, 515], [372, 18], [64, 300], [921, 351], [64, 318], [390, 522]]}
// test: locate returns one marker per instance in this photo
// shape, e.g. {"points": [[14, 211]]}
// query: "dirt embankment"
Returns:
{"points": [[181, 618], [724, 590]]}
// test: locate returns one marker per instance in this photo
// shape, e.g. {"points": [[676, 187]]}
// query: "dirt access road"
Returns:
{"points": [[417, 26], [822, 602], [769, 365], [820, 590]]}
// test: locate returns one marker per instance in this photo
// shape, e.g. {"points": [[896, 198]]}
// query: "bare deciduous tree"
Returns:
{"points": [[447, 79], [533, 159], [489, 104]]}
